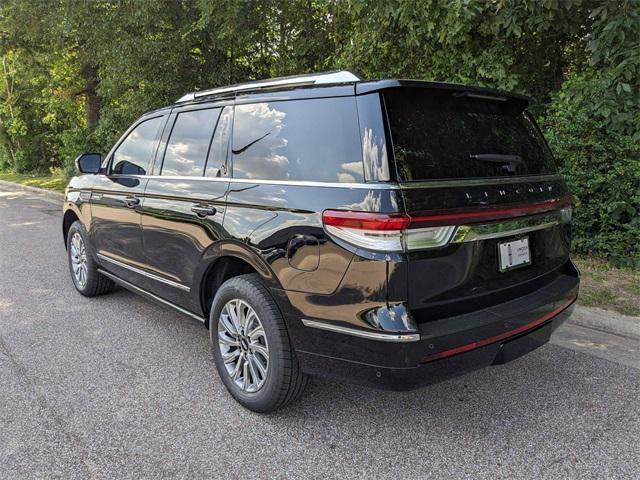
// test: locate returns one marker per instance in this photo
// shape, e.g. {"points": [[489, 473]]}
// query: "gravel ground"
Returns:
{"points": [[117, 387]]}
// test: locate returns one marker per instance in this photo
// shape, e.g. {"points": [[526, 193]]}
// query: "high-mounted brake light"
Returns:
{"points": [[397, 232]]}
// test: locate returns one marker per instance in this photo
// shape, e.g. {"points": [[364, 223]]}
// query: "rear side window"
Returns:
{"points": [[189, 142], [133, 155], [313, 140], [219, 145], [437, 135]]}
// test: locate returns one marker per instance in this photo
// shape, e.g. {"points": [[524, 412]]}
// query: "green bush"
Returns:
{"points": [[602, 168], [66, 88]]}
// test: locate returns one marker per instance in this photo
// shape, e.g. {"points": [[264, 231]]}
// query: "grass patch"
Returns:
{"points": [[608, 287], [48, 182]]}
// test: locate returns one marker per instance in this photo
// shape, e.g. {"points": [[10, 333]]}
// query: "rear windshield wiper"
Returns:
{"points": [[510, 162]]}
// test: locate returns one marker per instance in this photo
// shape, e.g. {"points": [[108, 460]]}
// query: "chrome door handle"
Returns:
{"points": [[132, 202], [203, 210]]}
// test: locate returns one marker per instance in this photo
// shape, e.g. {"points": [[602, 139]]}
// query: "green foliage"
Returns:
{"points": [[75, 73], [602, 168]]}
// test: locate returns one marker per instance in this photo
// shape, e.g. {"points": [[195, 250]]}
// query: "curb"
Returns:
{"points": [[49, 195], [606, 321]]}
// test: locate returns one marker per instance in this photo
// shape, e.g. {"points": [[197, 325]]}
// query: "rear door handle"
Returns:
{"points": [[132, 202], [203, 210]]}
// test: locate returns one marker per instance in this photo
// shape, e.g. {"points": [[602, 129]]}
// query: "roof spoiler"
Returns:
{"points": [[456, 90]]}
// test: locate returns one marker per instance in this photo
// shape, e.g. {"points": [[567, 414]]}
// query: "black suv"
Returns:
{"points": [[391, 233]]}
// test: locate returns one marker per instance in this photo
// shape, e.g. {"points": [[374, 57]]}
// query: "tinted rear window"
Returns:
{"points": [[437, 135], [313, 140]]}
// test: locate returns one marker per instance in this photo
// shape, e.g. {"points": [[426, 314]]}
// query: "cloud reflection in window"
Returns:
{"points": [[189, 142], [133, 155], [315, 140], [374, 151]]}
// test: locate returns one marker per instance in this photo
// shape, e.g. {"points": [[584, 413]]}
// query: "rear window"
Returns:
{"points": [[437, 135], [313, 140]]}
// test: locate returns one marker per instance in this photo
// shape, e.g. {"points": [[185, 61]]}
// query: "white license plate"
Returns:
{"points": [[514, 254]]}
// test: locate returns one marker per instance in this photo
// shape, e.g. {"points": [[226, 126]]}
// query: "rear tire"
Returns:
{"points": [[256, 332], [83, 268]]}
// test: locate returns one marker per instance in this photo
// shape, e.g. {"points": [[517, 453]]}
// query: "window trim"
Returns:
{"points": [[390, 185]]}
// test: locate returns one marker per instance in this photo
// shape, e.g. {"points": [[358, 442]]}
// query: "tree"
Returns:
{"points": [[68, 85]]}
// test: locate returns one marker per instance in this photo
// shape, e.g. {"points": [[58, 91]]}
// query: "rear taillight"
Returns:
{"points": [[373, 231], [383, 232], [397, 232]]}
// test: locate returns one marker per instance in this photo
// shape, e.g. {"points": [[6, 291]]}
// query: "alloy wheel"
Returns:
{"points": [[79, 260], [243, 345]]}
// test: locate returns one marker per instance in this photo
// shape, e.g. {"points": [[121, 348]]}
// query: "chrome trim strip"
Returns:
{"points": [[303, 183], [510, 227], [142, 272], [508, 233], [478, 181], [379, 336], [362, 185], [145, 293]]}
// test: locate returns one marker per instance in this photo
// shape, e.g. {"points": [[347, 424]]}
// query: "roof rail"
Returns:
{"points": [[337, 76]]}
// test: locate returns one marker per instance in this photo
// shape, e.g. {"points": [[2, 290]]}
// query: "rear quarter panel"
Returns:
{"points": [[268, 216]]}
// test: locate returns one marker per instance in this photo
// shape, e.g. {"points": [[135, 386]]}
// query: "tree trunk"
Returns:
{"points": [[92, 101]]}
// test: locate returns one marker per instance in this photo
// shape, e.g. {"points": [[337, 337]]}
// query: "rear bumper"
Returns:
{"points": [[431, 372], [446, 347]]}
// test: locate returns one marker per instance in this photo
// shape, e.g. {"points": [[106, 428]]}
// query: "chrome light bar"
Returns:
{"points": [[340, 76]]}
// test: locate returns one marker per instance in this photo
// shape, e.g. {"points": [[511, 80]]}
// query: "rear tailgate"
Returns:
{"points": [[478, 164]]}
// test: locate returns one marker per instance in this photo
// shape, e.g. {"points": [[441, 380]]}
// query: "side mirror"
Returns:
{"points": [[89, 162]]}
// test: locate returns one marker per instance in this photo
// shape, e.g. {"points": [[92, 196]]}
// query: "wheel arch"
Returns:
{"points": [[68, 218], [228, 259]]}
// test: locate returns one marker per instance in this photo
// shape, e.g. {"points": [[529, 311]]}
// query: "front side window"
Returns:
{"points": [[134, 154], [313, 140], [189, 142]]}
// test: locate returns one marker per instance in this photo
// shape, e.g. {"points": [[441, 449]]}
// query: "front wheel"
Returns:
{"points": [[251, 346], [84, 271]]}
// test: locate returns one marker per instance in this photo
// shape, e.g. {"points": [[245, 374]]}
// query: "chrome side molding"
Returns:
{"points": [[143, 273], [145, 293], [361, 185], [370, 335]]}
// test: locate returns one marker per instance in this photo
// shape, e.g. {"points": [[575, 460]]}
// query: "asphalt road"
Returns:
{"points": [[118, 387]]}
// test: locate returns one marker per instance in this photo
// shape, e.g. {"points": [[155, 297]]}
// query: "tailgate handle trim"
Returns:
{"points": [[509, 228]]}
